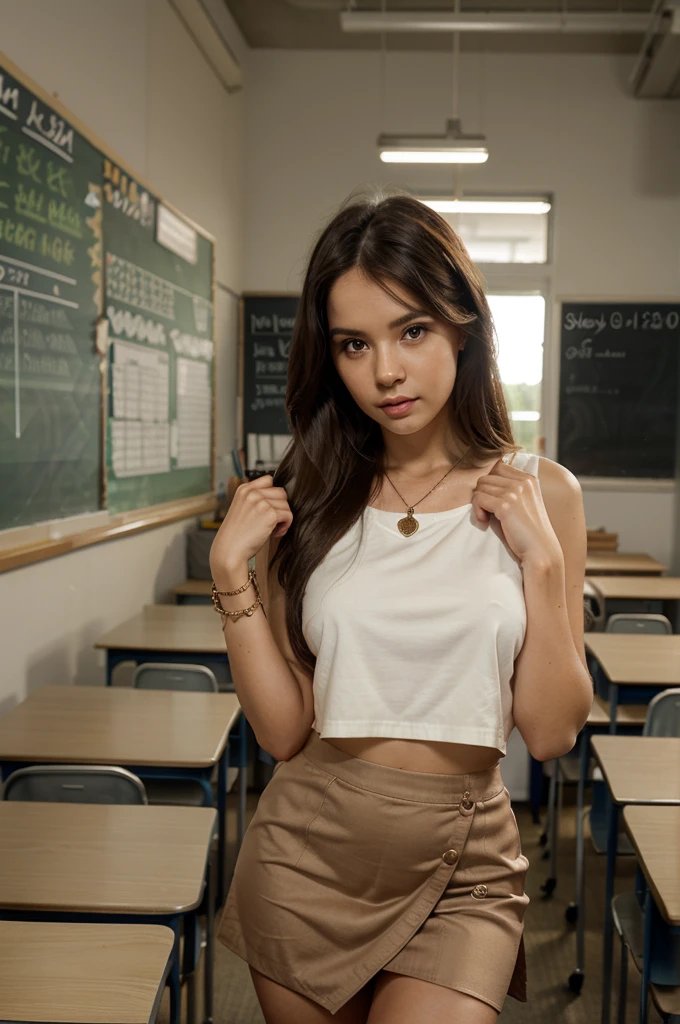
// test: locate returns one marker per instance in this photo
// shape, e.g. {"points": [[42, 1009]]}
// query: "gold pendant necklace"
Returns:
{"points": [[409, 524]]}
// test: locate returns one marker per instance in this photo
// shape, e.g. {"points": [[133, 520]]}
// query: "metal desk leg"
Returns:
{"points": [[580, 863], [189, 961], [612, 836], [209, 946], [613, 706], [173, 979], [646, 958], [222, 823]]}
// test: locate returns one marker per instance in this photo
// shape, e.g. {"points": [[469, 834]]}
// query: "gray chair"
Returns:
{"points": [[663, 719], [638, 622], [75, 784], [170, 676]]}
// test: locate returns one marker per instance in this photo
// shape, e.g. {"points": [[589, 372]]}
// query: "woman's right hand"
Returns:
{"points": [[258, 510]]}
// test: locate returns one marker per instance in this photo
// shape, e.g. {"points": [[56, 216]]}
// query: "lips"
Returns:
{"points": [[397, 401]]}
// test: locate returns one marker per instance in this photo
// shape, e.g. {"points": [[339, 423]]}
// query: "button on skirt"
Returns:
{"points": [[349, 867]]}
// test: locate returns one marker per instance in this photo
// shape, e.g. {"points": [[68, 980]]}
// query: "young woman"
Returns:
{"points": [[428, 598]]}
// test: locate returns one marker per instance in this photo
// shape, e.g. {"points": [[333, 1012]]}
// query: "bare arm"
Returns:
{"points": [[552, 687], [273, 688]]}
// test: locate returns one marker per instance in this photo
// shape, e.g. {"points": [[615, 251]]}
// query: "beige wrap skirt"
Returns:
{"points": [[349, 867]]}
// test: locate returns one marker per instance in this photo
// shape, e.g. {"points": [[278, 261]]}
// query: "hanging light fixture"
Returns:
{"points": [[453, 147]]}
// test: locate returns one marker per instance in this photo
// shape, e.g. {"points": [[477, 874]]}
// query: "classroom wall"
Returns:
{"points": [[559, 123], [129, 70]]}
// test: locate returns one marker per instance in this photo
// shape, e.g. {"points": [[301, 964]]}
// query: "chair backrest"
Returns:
{"points": [[593, 607], [638, 622], [663, 714], [161, 676], [75, 784]]}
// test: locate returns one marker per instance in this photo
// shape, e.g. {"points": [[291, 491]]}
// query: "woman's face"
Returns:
{"points": [[382, 348]]}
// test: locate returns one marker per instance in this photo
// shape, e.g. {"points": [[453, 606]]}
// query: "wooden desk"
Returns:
{"points": [[102, 860], [626, 714], [193, 592], [652, 588], [170, 628], [609, 562], [655, 835], [119, 725], [645, 594], [631, 659], [640, 770], [151, 732], [82, 973], [180, 633]]}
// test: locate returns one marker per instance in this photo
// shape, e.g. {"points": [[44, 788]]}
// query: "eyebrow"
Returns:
{"points": [[395, 323]]}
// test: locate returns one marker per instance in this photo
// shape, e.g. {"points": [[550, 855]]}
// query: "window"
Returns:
{"points": [[520, 324]]}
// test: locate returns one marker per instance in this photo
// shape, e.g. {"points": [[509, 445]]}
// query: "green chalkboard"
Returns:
{"points": [[159, 307], [50, 295]]}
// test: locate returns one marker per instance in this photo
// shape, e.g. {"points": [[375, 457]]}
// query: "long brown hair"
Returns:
{"points": [[337, 450]]}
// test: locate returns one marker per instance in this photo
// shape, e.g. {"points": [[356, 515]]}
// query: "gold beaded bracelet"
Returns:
{"points": [[215, 595]]}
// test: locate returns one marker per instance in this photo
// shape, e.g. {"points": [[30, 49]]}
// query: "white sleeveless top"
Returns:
{"points": [[416, 637]]}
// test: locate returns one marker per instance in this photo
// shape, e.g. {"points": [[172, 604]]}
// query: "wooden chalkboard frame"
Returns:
{"points": [[137, 520]]}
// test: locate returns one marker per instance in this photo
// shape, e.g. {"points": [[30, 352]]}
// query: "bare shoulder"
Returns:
{"points": [[558, 484]]}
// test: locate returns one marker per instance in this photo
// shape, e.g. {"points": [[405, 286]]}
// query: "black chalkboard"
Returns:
{"points": [[50, 297], [619, 389], [266, 330]]}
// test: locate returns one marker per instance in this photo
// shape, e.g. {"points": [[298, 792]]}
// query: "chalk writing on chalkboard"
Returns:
{"points": [[159, 309], [50, 297], [268, 323], [619, 388]]}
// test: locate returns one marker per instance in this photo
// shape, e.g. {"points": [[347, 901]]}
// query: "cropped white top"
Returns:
{"points": [[416, 637]]}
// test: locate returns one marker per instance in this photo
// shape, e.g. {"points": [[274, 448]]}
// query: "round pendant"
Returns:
{"points": [[408, 525]]}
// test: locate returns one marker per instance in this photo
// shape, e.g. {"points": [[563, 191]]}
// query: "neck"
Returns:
{"points": [[424, 453]]}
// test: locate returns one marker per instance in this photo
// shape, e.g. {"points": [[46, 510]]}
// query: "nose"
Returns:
{"points": [[388, 365]]}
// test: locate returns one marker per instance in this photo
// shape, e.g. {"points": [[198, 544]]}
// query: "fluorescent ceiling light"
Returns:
{"points": [[451, 148], [525, 206], [496, 21]]}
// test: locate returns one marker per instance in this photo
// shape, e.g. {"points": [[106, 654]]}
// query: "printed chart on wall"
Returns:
{"points": [[50, 298], [158, 301]]}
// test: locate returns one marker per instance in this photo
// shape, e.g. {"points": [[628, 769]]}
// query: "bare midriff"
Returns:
{"points": [[419, 755]]}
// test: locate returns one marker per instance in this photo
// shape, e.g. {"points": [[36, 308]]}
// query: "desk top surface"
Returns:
{"points": [[194, 588], [195, 629], [119, 725], [626, 714], [640, 769], [621, 562], [655, 835], [82, 973], [103, 858], [646, 588], [638, 659]]}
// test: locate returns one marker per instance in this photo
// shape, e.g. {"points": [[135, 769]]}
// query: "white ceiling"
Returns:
{"points": [[295, 24]]}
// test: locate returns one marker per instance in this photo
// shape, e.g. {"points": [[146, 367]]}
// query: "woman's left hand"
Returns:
{"points": [[515, 498]]}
